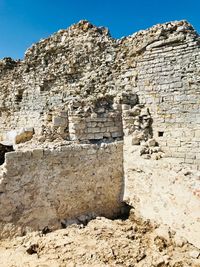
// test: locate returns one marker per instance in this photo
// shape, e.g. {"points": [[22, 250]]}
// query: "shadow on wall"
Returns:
{"points": [[4, 148]]}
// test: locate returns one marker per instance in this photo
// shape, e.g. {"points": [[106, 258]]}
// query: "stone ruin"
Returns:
{"points": [[89, 123]]}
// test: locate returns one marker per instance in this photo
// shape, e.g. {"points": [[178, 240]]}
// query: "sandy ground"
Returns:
{"points": [[103, 242]]}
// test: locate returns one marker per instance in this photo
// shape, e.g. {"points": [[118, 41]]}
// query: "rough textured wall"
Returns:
{"points": [[72, 62], [46, 187], [160, 64], [159, 69], [162, 191], [103, 121], [159, 188], [165, 74]]}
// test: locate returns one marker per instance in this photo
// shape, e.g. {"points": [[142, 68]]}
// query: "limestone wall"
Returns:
{"points": [[46, 187], [96, 127], [165, 75], [159, 188], [160, 64], [70, 63], [162, 191], [82, 85], [174, 96]]}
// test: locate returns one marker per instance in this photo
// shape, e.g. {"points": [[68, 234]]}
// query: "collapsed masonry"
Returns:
{"points": [[96, 122]]}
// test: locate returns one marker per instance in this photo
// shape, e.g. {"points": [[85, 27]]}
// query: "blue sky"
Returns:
{"points": [[23, 22]]}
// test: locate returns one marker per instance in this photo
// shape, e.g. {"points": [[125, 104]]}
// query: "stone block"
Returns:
{"points": [[113, 129], [98, 136], [189, 161], [103, 129], [95, 130], [90, 136], [109, 124], [13, 155], [63, 114], [91, 151], [116, 134], [80, 126], [179, 155], [59, 121], [106, 134], [116, 106], [197, 134], [73, 136], [100, 124], [151, 142], [174, 143], [190, 156], [126, 107], [91, 124]]}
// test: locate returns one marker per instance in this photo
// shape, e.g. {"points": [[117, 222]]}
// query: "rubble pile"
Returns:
{"points": [[132, 242]]}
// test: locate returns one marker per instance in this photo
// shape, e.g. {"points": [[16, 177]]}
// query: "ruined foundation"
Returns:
{"points": [[95, 123]]}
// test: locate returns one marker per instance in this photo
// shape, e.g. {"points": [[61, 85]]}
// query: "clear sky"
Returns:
{"points": [[23, 22]]}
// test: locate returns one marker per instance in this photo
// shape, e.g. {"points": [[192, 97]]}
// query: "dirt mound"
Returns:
{"points": [[102, 242]]}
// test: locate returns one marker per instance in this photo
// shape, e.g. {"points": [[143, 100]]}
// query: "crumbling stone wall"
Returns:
{"points": [[86, 121], [50, 187], [164, 72], [71, 63], [96, 122], [161, 190], [160, 65], [83, 86]]}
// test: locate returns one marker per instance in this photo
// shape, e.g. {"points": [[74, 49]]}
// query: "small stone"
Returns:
{"points": [[152, 142], [125, 107], [135, 140], [194, 254], [179, 241], [163, 232], [93, 115]]}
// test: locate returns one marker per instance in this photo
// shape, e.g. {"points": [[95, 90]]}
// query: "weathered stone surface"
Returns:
{"points": [[44, 187], [163, 191], [80, 87], [160, 65]]}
